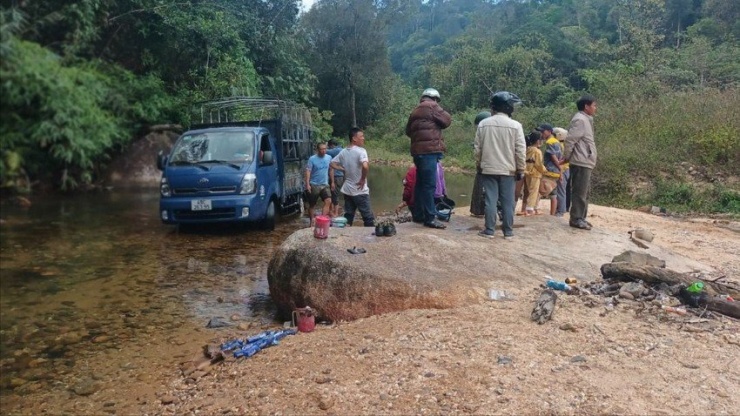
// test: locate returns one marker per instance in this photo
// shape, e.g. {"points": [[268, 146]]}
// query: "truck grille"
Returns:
{"points": [[205, 191], [214, 214]]}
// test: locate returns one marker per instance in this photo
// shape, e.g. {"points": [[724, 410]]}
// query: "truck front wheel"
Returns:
{"points": [[269, 222]]}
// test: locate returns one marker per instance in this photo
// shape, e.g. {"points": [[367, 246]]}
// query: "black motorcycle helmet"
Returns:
{"points": [[482, 116], [504, 102]]}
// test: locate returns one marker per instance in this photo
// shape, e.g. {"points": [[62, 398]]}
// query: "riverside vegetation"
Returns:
{"points": [[81, 79]]}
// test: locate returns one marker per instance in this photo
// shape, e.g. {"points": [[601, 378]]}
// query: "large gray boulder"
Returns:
{"points": [[425, 268], [136, 167]]}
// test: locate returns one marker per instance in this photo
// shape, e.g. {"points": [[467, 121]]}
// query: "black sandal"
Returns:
{"points": [[355, 250], [435, 224]]}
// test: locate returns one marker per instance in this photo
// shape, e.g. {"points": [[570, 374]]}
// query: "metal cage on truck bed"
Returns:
{"points": [[288, 121]]}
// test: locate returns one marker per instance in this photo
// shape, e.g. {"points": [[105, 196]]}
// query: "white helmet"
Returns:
{"points": [[431, 93]]}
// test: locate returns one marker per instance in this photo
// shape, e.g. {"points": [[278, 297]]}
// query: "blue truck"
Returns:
{"points": [[243, 162]]}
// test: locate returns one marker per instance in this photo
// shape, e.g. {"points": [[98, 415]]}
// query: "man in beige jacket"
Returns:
{"points": [[580, 151], [499, 156]]}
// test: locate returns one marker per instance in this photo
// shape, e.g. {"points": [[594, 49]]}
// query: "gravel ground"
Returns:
{"points": [[490, 358]]}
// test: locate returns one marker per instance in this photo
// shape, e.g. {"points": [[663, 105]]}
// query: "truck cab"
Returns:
{"points": [[236, 171]]}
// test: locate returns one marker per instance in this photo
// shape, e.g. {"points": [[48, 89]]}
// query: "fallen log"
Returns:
{"points": [[627, 272], [654, 275], [723, 306]]}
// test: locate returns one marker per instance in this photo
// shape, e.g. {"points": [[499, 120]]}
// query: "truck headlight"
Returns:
{"points": [[164, 187], [249, 184]]}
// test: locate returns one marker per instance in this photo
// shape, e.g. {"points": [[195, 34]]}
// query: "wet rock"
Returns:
{"points": [[17, 382], [101, 339], [37, 374], [70, 338], [85, 387], [36, 362]]}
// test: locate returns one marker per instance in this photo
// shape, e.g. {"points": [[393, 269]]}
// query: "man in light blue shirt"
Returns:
{"points": [[317, 181]]}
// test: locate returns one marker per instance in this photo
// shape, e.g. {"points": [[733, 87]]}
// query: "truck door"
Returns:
{"points": [[267, 169]]}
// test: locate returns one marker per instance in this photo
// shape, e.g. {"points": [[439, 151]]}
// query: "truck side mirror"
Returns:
{"points": [[161, 160], [268, 158]]}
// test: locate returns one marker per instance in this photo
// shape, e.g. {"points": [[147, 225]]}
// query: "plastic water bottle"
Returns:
{"points": [[696, 288], [556, 284]]}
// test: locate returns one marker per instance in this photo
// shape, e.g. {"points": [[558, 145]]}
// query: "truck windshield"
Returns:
{"points": [[224, 146]]}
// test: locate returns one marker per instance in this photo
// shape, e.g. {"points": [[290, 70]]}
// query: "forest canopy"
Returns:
{"points": [[81, 78]]}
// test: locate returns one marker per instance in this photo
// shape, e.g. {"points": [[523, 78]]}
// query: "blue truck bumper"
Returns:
{"points": [[231, 208]]}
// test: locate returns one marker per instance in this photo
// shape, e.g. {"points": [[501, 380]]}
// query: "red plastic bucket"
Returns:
{"points": [[304, 319], [321, 230]]}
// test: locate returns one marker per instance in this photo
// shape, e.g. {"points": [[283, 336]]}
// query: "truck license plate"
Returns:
{"points": [[200, 205]]}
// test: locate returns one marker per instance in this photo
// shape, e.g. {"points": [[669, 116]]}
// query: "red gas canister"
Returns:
{"points": [[304, 319], [321, 230]]}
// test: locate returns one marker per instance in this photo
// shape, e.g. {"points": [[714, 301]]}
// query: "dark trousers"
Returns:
{"points": [[358, 202], [478, 200], [424, 209], [580, 178]]}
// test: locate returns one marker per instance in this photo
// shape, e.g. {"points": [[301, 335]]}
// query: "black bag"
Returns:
{"points": [[445, 207]]}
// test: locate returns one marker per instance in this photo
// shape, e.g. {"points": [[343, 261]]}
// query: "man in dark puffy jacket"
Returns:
{"points": [[425, 127]]}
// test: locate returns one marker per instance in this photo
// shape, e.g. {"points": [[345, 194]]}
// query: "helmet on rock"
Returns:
{"points": [[504, 102], [482, 116], [431, 93]]}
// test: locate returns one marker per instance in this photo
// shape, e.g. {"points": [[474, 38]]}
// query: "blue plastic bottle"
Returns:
{"points": [[557, 285]]}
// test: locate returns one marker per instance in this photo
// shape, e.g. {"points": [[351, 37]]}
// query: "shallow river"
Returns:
{"points": [[98, 278]]}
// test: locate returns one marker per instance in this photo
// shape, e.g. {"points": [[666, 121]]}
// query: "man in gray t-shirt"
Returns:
{"points": [[353, 161]]}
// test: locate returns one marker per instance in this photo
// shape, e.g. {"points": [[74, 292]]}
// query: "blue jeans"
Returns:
{"points": [[562, 195], [499, 188], [361, 202], [424, 209]]}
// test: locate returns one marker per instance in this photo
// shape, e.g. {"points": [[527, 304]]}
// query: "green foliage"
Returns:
{"points": [[348, 55], [59, 121], [321, 123], [678, 196]]}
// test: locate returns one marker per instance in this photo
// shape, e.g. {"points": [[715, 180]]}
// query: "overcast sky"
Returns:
{"points": [[307, 4]]}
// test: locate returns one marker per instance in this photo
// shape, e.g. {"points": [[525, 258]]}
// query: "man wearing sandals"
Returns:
{"points": [[580, 151]]}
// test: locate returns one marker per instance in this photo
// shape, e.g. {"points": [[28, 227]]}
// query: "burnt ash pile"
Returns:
{"points": [[643, 279]]}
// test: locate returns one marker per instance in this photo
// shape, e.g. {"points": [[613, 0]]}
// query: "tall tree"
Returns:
{"points": [[348, 54]]}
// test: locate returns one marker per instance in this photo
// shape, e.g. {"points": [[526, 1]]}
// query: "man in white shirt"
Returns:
{"points": [[353, 161]]}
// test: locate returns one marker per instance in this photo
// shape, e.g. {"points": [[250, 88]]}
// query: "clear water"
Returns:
{"points": [[97, 272]]}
